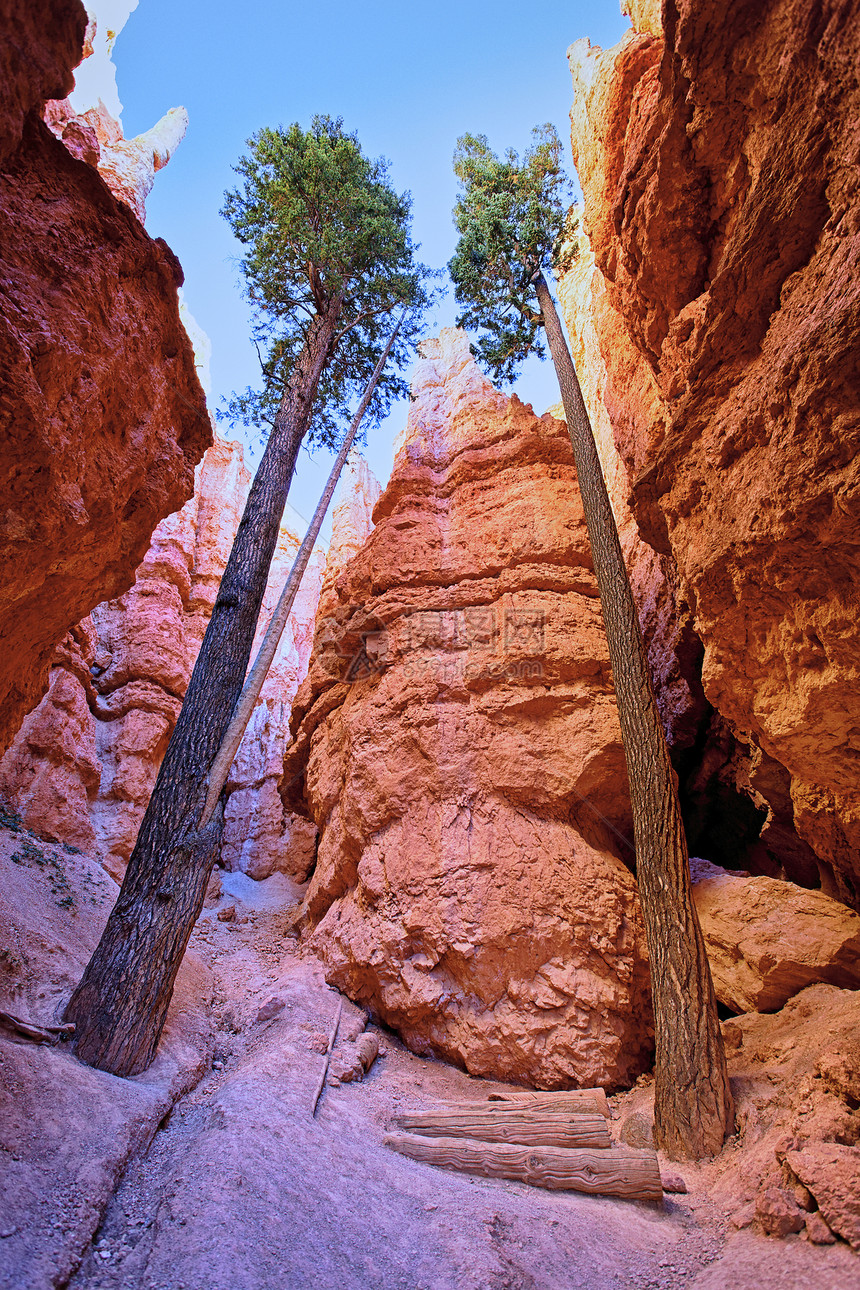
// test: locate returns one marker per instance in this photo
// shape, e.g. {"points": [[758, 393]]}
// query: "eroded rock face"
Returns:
{"points": [[52, 769], [102, 412], [40, 48], [128, 166], [796, 1083], [88, 121], [795, 1075], [674, 651], [830, 1172], [84, 763], [726, 226], [767, 940], [461, 756]]}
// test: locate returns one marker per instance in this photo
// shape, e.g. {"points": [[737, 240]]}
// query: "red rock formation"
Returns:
{"points": [[829, 1173], [796, 1075], [461, 756], [767, 940], [40, 47], [52, 770], [722, 206], [83, 765], [102, 412]]}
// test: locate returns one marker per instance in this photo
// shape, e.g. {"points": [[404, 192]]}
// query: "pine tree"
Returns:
{"points": [[328, 259], [512, 223]]}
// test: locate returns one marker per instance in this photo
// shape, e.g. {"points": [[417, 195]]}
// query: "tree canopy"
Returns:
{"points": [[322, 225], [514, 222]]}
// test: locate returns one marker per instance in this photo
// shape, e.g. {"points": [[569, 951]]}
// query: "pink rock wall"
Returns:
{"points": [[84, 763], [259, 836]]}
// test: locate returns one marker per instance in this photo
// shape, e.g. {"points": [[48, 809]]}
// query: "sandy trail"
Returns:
{"points": [[242, 1190]]}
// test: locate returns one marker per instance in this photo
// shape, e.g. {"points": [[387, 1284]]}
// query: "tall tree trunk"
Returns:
{"points": [[693, 1104], [275, 630], [120, 1005]]}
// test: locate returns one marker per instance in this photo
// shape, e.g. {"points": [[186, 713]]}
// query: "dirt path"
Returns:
{"points": [[242, 1190]]}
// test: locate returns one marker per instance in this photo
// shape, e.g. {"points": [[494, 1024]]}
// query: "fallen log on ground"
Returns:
{"points": [[578, 1101], [634, 1175], [527, 1127]]}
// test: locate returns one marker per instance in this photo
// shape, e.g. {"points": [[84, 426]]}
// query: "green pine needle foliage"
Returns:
{"points": [[514, 223], [319, 222]]}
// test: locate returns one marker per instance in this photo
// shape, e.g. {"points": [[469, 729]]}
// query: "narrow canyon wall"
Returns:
{"points": [[457, 745], [83, 765], [718, 163], [102, 413], [674, 650]]}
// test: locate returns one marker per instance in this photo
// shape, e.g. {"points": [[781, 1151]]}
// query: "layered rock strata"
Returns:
{"points": [[84, 763], [103, 415], [456, 743], [721, 203]]}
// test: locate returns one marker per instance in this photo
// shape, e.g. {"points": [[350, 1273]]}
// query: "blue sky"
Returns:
{"points": [[408, 78]]}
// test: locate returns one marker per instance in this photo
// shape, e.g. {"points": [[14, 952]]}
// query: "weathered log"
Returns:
{"points": [[331, 1042], [579, 1101], [634, 1175], [525, 1127]]}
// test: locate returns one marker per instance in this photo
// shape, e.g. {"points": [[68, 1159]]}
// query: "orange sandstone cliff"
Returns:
{"points": [[457, 745], [718, 159]]}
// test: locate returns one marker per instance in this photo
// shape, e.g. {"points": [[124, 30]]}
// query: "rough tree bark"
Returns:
{"points": [[269, 645], [693, 1104], [121, 1003]]}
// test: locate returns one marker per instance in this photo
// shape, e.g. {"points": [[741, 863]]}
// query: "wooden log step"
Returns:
{"points": [[578, 1101], [634, 1175], [528, 1127]]}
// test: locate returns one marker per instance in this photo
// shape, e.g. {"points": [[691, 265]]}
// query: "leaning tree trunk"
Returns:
{"points": [[693, 1108], [275, 630], [120, 1005]]}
